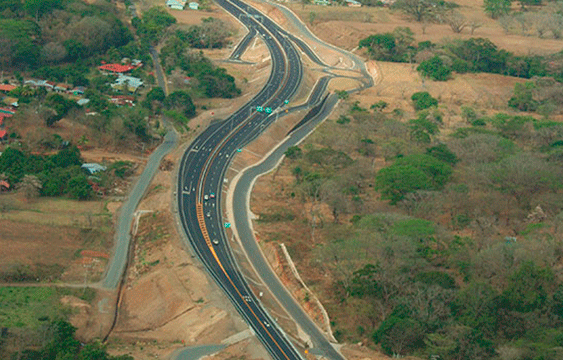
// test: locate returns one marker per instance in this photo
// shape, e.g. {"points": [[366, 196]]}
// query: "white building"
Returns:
{"points": [[176, 4]]}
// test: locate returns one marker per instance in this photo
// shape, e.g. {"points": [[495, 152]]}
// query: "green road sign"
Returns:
{"points": [[268, 110], [259, 108], [286, 102], [227, 225], [239, 150]]}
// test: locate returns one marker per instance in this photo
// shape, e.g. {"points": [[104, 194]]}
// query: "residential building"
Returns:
{"points": [[49, 85], [115, 68], [10, 101], [3, 135], [176, 4], [62, 87], [93, 168], [4, 186], [78, 91], [7, 87], [82, 102], [122, 100], [129, 83], [193, 5], [353, 3]]}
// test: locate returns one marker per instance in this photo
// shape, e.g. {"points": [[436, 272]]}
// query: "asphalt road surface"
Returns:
{"points": [[203, 167], [240, 213], [118, 261]]}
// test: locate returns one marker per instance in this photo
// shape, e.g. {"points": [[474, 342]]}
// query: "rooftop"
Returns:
{"points": [[116, 68], [6, 87]]}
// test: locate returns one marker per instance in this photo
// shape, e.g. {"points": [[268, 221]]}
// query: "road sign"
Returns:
{"points": [[259, 108], [286, 102], [268, 110], [239, 150], [227, 225]]}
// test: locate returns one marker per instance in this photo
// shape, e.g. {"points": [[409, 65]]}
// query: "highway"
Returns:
{"points": [[203, 166]]}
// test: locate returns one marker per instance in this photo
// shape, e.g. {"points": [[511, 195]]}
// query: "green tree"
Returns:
{"points": [[181, 101], [380, 46], [476, 306], [152, 24], [435, 69], [93, 351], [423, 100], [26, 54], [422, 128], [38, 8], [79, 188], [364, 282], [68, 156], [497, 8], [63, 345], [399, 336], [523, 98], [155, 96], [443, 153], [394, 182], [437, 171], [529, 288]]}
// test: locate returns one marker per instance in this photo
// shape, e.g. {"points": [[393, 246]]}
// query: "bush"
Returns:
{"points": [[293, 152], [523, 98], [423, 100]]}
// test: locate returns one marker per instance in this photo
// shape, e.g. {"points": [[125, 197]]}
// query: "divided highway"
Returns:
{"points": [[203, 167]]}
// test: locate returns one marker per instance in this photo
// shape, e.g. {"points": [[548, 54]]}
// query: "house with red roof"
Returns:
{"points": [[3, 135], [116, 68], [6, 87], [4, 185]]}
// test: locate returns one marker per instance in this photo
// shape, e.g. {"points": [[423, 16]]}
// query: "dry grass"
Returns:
{"points": [[51, 211], [344, 27]]}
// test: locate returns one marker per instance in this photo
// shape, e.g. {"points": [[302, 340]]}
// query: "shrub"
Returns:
{"points": [[423, 100]]}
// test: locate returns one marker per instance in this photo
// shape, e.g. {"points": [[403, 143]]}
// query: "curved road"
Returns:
{"points": [[201, 179], [202, 172]]}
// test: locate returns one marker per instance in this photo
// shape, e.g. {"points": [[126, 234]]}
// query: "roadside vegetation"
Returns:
{"points": [[438, 61], [55, 339], [430, 227], [452, 266]]}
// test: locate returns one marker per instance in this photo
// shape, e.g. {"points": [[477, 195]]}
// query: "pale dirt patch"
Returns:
{"points": [[399, 81], [51, 231]]}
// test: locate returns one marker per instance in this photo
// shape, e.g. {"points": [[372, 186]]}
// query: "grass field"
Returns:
{"points": [[32, 307]]}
